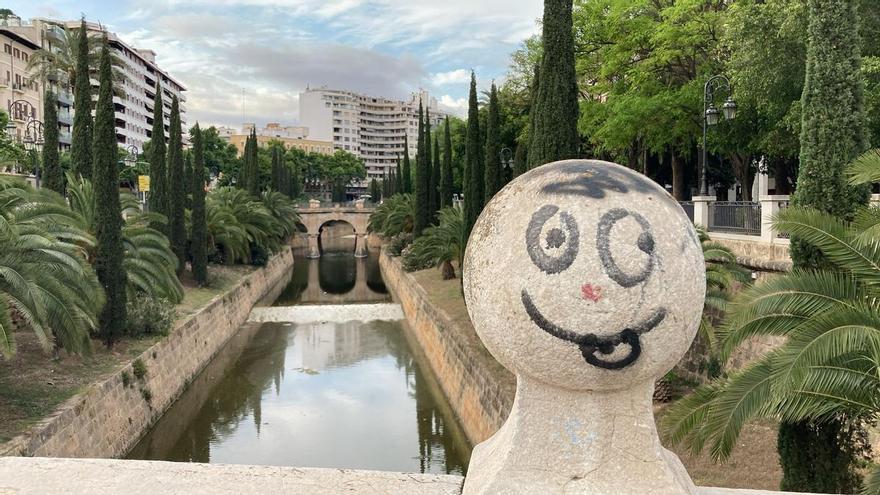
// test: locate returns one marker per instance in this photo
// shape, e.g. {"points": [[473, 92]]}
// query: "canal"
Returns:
{"points": [[326, 393]]}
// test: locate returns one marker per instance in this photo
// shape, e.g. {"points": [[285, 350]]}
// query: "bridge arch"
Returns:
{"points": [[315, 217]]}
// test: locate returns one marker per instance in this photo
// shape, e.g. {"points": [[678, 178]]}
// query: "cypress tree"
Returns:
{"points": [[159, 201], [253, 174], [188, 178], [435, 178], [52, 177], [277, 178], [397, 173], [520, 164], [428, 161], [375, 194], [393, 184], [817, 457], [295, 181], [421, 217], [446, 175], [555, 134], [406, 178], [532, 161], [81, 141], [108, 214], [492, 179], [474, 195], [199, 234], [241, 182], [177, 198]]}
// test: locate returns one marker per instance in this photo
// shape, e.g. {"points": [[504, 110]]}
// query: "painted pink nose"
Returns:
{"points": [[591, 292]]}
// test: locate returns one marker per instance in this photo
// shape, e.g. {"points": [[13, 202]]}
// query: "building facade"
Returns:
{"points": [[134, 107], [370, 127], [291, 136]]}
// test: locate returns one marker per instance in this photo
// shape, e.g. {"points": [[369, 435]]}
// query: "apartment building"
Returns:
{"points": [[291, 136], [372, 128], [134, 108], [21, 96]]}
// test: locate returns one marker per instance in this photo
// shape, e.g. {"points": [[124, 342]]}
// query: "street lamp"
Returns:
{"points": [[506, 158], [131, 155], [33, 142], [712, 116]]}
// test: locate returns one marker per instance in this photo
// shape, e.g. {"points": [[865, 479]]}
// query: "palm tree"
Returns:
{"points": [[828, 369], [393, 217], [723, 276], [148, 260], [247, 224], [442, 244], [46, 283]]}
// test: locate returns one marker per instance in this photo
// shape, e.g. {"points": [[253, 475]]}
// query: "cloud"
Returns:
{"points": [[455, 106], [458, 76]]}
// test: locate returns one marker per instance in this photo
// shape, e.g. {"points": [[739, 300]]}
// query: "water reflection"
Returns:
{"points": [[336, 277], [343, 395]]}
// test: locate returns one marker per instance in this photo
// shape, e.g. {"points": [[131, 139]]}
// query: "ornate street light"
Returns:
{"points": [[506, 158], [712, 116], [131, 155]]}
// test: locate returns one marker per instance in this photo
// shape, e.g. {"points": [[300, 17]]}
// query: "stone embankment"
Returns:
{"points": [[108, 418], [479, 389]]}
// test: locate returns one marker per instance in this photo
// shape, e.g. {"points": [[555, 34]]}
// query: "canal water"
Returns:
{"points": [[328, 393]]}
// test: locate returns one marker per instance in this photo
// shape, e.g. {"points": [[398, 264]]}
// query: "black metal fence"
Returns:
{"points": [[688, 207], [735, 217]]}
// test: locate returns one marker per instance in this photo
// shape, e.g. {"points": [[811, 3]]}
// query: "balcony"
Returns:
{"points": [[65, 118], [64, 137], [65, 98]]}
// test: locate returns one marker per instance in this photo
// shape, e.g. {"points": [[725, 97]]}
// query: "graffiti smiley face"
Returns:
{"points": [[586, 274]]}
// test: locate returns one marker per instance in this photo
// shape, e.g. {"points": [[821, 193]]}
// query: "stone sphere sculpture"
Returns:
{"points": [[586, 280]]}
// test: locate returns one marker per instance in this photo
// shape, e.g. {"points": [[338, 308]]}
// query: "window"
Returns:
{"points": [[17, 53], [7, 48]]}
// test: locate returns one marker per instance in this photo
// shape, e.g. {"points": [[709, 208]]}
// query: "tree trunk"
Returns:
{"points": [[677, 177], [448, 270]]}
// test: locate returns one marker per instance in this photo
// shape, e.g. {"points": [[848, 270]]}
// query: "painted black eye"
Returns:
{"points": [[555, 250], [645, 243]]}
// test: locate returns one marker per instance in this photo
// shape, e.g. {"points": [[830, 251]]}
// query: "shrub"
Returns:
{"points": [[150, 316], [139, 369], [398, 243]]}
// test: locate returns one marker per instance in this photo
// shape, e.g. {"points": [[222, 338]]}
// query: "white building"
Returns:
{"points": [[370, 127], [134, 109]]}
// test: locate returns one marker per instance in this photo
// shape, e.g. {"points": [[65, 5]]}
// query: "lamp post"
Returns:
{"points": [[132, 155], [33, 142], [506, 158], [711, 117]]}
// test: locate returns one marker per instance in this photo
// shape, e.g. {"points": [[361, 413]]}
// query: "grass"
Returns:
{"points": [[754, 463], [33, 384]]}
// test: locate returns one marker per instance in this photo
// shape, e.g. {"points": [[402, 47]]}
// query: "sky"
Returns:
{"points": [[264, 52]]}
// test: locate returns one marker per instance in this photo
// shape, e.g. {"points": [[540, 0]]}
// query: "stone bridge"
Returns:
{"points": [[316, 216]]}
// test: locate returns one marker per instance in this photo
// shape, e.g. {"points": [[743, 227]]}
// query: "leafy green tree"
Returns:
{"points": [[199, 235], [160, 200], [446, 183], [474, 195], [81, 141], [339, 170], [421, 216], [492, 180], [52, 175], [555, 134], [176, 179], [109, 254], [54, 292], [406, 177]]}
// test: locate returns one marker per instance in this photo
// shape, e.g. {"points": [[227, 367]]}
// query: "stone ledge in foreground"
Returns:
{"points": [[39, 475]]}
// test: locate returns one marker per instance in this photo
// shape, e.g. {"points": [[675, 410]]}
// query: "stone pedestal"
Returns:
{"points": [[314, 203], [701, 210], [769, 208], [585, 280]]}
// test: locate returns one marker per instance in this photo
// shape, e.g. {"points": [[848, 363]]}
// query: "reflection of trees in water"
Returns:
{"points": [[439, 446], [298, 283], [229, 401]]}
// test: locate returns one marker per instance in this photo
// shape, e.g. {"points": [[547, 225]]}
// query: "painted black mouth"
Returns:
{"points": [[591, 344]]}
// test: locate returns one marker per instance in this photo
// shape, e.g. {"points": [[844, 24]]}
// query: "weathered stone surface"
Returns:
{"points": [[24, 476], [310, 314], [586, 280]]}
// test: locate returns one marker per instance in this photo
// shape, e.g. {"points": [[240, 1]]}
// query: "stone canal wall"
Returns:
{"points": [[479, 389], [108, 418]]}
